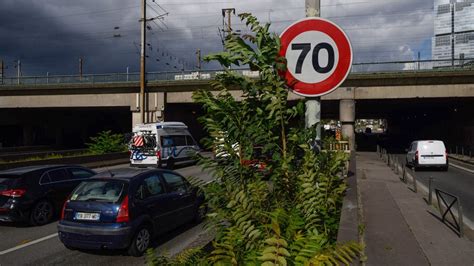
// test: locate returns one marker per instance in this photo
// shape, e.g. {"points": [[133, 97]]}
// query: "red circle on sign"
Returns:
{"points": [[343, 65]]}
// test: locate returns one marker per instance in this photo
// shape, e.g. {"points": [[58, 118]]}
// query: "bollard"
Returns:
{"points": [[461, 222], [430, 190], [396, 165], [415, 185], [404, 174]]}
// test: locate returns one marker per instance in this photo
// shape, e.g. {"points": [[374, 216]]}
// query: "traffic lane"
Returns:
{"points": [[14, 234], [53, 252], [454, 181]]}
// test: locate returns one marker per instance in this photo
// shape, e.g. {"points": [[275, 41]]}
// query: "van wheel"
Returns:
{"points": [[170, 164], [445, 168], [42, 213], [140, 243]]}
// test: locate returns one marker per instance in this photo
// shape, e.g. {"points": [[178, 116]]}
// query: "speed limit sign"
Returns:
{"points": [[318, 54]]}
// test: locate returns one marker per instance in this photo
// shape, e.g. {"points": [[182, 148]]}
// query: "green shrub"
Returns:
{"points": [[292, 218], [106, 142]]}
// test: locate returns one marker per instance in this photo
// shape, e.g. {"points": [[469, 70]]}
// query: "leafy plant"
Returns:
{"points": [[106, 142], [292, 216]]}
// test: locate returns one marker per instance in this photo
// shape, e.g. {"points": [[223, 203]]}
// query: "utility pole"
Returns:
{"points": [[198, 53], [143, 20], [142, 62], [80, 68], [227, 12], [18, 69], [313, 104], [2, 69]]}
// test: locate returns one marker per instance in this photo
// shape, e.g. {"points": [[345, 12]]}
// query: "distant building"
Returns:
{"points": [[453, 40]]}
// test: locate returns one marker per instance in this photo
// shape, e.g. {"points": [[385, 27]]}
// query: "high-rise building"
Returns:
{"points": [[454, 32]]}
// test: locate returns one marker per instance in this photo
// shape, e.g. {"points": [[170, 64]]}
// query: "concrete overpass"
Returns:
{"points": [[168, 95]]}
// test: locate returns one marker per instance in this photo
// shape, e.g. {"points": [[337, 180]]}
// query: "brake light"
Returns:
{"points": [[416, 155], [158, 154], [64, 207], [446, 153], [123, 215], [14, 193]]}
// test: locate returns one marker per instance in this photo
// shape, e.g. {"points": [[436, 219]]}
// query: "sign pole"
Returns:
{"points": [[313, 104]]}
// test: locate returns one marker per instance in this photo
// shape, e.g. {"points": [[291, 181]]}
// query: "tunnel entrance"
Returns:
{"points": [[60, 127]]}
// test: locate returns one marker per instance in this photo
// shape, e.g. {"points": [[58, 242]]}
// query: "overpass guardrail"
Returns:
{"points": [[357, 68]]}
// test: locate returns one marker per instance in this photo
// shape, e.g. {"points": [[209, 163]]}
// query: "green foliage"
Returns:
{"points": [[291, 216], [106, 142]]}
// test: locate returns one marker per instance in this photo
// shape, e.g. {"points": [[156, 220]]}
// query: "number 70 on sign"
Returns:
{"points": [[318, 55]]}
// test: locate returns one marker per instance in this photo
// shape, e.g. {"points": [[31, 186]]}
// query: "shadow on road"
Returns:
{"points": [[157, 242]]}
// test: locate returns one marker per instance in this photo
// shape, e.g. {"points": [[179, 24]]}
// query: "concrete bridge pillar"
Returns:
{"points": [[156, 103], [347, 117], [27, 135]]}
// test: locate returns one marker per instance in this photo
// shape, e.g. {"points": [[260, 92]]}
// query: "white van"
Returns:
{"points": [[427, 153], [163, 144]]}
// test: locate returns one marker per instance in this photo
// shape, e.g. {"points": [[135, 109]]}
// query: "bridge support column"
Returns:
{"points": [[27, 135], [347, 118], [155, 101]]}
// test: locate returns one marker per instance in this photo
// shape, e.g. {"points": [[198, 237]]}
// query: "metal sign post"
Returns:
{"points": [[319, 58], [313, 104]]}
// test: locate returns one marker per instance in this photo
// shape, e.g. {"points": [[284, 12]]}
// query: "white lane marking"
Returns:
{"points": [[462, 168], [28, 244]]}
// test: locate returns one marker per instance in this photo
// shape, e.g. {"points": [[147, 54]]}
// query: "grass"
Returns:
{"points": [[47, 157]]}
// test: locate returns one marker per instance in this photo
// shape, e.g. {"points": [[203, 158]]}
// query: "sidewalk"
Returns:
{"points": [[399, 227]]}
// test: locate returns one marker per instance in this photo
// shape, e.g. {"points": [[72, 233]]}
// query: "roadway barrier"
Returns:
{"points": [[86, 160], [446, 201]]}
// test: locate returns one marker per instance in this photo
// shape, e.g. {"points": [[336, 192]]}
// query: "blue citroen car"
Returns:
{"points": [[126, 208]]}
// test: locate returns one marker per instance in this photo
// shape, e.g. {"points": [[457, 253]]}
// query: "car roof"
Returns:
{"points": [[127, 172], [33, 168]]}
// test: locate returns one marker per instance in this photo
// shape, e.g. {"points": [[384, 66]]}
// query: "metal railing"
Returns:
{"points": [[357, 68]]}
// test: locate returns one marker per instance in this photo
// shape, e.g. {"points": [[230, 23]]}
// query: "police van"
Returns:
{"points": [[163, 144]]}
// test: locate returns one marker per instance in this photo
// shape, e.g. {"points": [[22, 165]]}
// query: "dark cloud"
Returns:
{"points": [[51, 35]]}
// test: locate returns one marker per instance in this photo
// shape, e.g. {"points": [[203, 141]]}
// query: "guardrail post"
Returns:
{"points": [[456, 150], [430, 190], [462, 151]]}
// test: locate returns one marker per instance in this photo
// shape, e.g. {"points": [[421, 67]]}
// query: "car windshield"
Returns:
{"points": [[103, 191], [7, 181]]}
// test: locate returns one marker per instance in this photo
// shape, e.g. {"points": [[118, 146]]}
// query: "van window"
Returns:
{"points": [[179, 140], [190, 141], [171, 141]]}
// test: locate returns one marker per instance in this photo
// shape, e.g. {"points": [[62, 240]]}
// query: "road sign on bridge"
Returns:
{"points": [[318, 54]]}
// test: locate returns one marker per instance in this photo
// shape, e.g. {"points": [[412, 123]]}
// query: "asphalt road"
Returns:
{"points": [[24, 245], [458, 180]]}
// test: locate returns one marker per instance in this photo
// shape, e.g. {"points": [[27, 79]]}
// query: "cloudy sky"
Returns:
{"points": [[51, 35]]}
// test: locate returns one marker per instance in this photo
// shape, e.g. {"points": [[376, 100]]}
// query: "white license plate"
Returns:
{"points": [[87, 216]]}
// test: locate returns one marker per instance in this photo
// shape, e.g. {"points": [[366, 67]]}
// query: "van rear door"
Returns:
{"points": [[432, 152]]}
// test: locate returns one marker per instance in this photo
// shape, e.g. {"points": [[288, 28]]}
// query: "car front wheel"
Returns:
{"points": [[140, 242]]}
